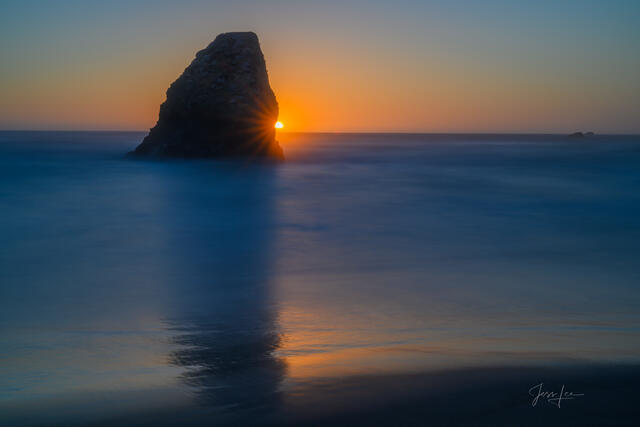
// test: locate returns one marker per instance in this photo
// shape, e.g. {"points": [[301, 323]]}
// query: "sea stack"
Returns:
{"points": [[221, 106]]}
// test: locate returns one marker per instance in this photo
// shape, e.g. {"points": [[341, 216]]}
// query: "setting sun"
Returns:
{"points": [[279, 125]]}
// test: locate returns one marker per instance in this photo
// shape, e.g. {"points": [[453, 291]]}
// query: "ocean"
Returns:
{"points": [[407, 279]]}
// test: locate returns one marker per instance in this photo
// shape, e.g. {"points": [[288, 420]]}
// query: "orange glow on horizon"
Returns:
{"points": [[331, 93]]}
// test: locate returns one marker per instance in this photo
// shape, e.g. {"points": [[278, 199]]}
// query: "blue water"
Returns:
{"points": [[134, 289]]}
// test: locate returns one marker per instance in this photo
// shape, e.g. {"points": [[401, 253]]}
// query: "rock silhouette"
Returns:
{"points": [[581, 135], [221, 105]]}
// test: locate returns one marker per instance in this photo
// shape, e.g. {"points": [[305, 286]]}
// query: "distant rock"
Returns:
{"points": [[221, 105], [581, 135]]}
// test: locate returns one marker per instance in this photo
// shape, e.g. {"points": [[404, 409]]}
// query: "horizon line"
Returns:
{"points": [[349, 132]]}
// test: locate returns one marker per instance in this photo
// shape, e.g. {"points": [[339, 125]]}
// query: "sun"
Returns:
{"points": [[279, 125]]}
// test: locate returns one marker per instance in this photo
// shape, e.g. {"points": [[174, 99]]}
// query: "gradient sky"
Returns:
{"points": [[417, 66]]}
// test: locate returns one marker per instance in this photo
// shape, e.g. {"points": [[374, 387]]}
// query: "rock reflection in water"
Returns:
{"points": [[231, 361], [224, 320]]}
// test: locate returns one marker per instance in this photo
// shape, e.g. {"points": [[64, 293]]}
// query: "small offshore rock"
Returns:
{"points": [[581, 135]]}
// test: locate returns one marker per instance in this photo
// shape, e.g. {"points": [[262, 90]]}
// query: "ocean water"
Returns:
{"points": [[368, 271]]}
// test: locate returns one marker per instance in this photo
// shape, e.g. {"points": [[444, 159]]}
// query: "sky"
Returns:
{"points": [[335, 66]]}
